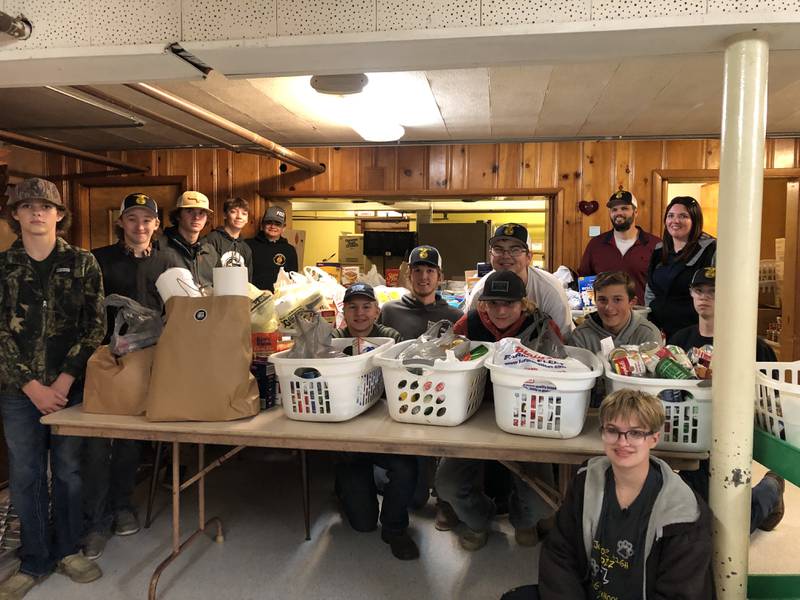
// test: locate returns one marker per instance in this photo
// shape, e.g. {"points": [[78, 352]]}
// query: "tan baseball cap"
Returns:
{"points": [[192, 199]]}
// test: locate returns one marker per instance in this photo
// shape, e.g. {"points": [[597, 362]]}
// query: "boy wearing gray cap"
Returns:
{"points": [[51, 321], [271, 250]]}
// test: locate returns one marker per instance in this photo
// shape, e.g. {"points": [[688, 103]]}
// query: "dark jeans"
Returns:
{"points": [[526, 592], [109, 476], [355, 486], [43, 544], [763, 499]]}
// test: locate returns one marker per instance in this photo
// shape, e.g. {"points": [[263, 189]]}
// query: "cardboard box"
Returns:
{"points": [[351, 249], [332, 269]]}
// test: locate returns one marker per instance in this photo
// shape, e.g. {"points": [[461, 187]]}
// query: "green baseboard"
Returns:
{"points": [[773, 587]]}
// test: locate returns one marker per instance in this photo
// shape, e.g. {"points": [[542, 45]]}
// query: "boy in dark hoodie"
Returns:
{"points": [[412, 314], [271, 250], [629, 527], [227, 240]]}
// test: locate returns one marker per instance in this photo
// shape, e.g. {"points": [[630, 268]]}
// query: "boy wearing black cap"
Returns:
{"points": [[766, 501], [509, 250], [109, 466], [412, 314], [503, 311], [361, 311], [355, 480], [625, 247], [51, 321], [271, 250]]}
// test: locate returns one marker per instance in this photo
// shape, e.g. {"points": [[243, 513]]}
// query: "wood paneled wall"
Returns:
{"points": [[584, 170]]}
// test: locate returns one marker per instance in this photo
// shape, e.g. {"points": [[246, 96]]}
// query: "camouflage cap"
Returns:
{"points": [[34, 188]]}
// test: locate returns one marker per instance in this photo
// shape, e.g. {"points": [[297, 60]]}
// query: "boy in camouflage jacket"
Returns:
{"points": [[51, 320]]}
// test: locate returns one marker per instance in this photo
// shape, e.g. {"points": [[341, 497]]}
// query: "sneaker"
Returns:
{"points": [[526, 536], [403, 547], [126, 523], [79, 568], [446, 518], [93, 545], [473, 540], [16, 586], [771, 521]]}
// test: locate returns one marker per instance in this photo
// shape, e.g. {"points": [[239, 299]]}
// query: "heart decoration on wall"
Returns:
{"points": [[588, 208]]}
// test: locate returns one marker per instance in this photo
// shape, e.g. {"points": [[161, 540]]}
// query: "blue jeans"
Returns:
{"points": [[43, 544], [109, 478], [764, 497], [460, 482]]}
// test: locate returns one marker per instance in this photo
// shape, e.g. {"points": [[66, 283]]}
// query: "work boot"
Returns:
{"points": [[526, 536], [473, 540], [79, 568], [126, 523], [16, 586], [771, 521], [446, 518], [93, 545], [403, 547]]}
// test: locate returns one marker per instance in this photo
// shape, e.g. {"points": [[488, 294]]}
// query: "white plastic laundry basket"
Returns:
{"points": [[687, 403], [544, 404], [447, 393], [329, 389], [778, 400]]}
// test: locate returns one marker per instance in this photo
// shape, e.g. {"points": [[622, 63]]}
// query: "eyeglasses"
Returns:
{"points": [[611, 434], [514, 252], [701, 293]]}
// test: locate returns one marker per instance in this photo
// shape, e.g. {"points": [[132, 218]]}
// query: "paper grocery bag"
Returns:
{"points": [[201, 369], [117, 386]]}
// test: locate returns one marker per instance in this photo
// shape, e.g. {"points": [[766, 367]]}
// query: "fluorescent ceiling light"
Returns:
{"points": [[378, 131]]}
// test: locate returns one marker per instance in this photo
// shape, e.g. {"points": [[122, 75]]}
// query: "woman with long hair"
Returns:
{"points": [[684, 249]]}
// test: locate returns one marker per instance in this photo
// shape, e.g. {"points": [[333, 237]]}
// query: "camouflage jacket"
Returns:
{"points": [[44, 332]]}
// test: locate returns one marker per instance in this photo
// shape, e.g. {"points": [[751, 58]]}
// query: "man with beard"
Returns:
{"points": [[626, 247]]}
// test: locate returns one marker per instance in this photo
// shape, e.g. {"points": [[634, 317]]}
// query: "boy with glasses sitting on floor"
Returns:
{"points": [[629, 527]]}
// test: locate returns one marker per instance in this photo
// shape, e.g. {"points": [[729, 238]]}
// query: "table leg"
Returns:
{"points": [[177, 546], [306, 494], [565, 475], [547, 493], [153, 483]]}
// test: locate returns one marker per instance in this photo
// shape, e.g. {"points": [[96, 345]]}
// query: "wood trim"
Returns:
{"points": [[790, 294], [421, 195]]}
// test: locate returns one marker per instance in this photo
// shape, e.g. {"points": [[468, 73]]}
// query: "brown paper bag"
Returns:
{"points": [[201, 369], [117, 386]]}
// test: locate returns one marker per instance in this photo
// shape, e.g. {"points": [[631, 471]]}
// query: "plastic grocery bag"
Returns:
{"points": [[434, 345], [313, 337], [135, 326], [542, 336], [372, 278]]}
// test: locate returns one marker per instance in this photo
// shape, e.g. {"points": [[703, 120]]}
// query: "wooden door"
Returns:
{"points": [[104, 205]]}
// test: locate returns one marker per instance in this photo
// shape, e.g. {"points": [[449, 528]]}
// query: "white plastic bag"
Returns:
{"points": [[372, 278], [564, 275]]}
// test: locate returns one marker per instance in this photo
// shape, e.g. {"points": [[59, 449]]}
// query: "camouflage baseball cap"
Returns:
{"points": [[34, 188]]}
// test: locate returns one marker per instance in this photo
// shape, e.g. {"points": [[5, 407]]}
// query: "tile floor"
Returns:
{"points": [[265, 557]]}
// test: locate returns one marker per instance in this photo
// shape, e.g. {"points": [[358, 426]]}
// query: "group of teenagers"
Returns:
{"points": [[629, 527]]}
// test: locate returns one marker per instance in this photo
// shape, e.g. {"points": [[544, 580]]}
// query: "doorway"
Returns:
{"points": [[99, 202]]}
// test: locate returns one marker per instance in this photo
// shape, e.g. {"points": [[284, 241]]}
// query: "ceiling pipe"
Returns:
{"points": [[278, 151], [135, 108], [39, 144]]}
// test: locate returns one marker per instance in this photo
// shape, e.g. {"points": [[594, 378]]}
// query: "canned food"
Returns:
{"points": [[668, 368]]}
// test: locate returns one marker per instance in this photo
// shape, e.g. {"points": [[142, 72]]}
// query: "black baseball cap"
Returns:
{"points": [[425, 255], [275, 214], [622, 198], [503, 285], [511, 231], [360, 289], [704, 276], [138, 200]]}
